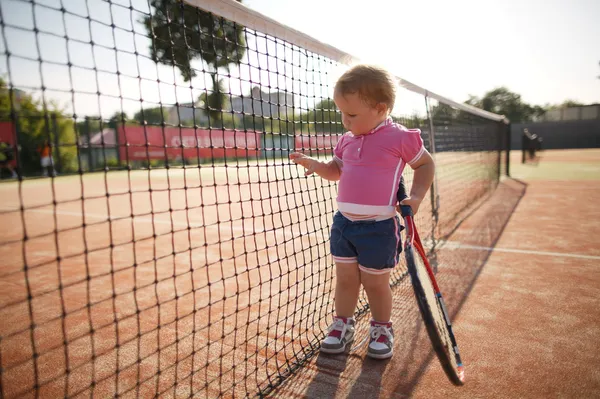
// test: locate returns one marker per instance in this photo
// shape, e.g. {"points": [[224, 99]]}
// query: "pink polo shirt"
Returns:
{"points": [[372, 165]]}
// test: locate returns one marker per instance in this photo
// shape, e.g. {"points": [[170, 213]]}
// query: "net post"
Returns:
{"points": [[88, 138], [523, 147], [56, 144], [435, 199], [507, 127], [17, 134], [117, 144]]}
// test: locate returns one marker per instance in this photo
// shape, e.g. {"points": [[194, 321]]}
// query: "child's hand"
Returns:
{"points": [[309, 163], [413, 202]]}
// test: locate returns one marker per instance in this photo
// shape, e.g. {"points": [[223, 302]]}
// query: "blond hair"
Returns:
{"points": [[373, 84]]}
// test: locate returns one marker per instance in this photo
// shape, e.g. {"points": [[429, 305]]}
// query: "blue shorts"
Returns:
{"points": [[376, 246]]}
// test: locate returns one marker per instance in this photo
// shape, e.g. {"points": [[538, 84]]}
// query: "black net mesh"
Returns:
{"points": [[158, 241]]}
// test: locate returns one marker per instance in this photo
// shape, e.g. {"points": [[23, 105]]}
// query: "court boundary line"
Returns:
{"points": [[157, 220], [452, 245]]}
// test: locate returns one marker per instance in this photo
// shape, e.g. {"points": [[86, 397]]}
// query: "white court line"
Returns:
{"points": [[458, 245], [247, 230]]}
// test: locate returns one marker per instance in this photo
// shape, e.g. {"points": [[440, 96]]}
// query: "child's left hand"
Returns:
{"points": [[413, 202]]}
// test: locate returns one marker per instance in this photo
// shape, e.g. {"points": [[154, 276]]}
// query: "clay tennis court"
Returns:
{"points": [[118, 304], [212, 279], [143, 281]]}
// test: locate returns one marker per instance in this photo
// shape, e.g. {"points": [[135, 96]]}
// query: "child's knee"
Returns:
{"points": [[348, 279], [376, 283]]}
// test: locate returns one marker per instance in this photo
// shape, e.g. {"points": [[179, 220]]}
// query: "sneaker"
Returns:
{"points": [[341, 333], [381, 344]]}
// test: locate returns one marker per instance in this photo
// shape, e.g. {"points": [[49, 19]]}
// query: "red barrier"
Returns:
{"points": [[139, 143], [7, 134], [317, 144]]}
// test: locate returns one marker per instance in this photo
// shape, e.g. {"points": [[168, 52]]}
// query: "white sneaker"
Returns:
{"points": [[341, 333], [381, 344]]}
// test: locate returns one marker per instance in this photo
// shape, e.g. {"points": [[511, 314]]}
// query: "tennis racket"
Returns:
{"points": [[428, 295]]}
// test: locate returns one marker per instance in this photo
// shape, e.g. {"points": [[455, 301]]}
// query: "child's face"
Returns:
{"points": [[358, 116]]}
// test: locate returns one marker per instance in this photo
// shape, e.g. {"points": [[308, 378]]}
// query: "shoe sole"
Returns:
{"points": [[380, 355], [337, 351]]}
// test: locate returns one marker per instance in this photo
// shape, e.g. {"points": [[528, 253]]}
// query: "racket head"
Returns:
{"points": [[433, 312]]}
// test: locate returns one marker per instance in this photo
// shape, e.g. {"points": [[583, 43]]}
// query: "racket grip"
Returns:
{"points": [[405, 210]]}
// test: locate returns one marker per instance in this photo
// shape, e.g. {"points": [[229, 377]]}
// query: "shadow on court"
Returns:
{"points": [[357, 376], [530, 325]]}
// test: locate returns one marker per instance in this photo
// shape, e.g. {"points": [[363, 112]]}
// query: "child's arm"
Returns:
{"points": [[327, 170], [424, 172]]}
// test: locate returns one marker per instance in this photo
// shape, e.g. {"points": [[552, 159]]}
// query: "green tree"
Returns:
{"points": [[413, 122], [323, 118], [91, 124], [443, 114], [182, 33], [539, 111], [151, 116], [253, 122], [570, 104], [473, 100], [94, 124], [502, 101], [36, 123]]}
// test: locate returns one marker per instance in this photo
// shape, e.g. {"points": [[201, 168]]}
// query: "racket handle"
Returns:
{"points": [[405, 210]]}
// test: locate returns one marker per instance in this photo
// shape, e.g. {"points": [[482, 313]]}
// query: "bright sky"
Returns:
{"points": [[546, 50]]}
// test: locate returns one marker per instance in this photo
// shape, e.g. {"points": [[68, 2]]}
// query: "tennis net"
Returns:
{"points": [[158, 242]]}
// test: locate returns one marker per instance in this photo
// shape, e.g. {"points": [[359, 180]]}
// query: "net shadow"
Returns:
{"points": [[461, 258]]}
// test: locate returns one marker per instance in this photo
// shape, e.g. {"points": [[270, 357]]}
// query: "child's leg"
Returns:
{"points": [[379, 293], [377, 286], [347, 288]]}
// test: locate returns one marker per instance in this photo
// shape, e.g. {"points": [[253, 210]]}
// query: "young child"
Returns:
{"points": [[365, 235]]}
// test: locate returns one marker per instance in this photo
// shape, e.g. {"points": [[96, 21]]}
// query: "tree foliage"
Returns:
{"points": [[182, 33], [36, 123], [442, 113], [150, 116], [502, 101], [324, 117]]}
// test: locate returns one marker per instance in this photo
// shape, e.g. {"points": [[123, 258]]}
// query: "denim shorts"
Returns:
{"points": [[376, 246]]}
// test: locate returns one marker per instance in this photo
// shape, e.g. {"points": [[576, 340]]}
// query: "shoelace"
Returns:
{"points": [[379, 330], [338, 325], [375, 332], [361, 343]]}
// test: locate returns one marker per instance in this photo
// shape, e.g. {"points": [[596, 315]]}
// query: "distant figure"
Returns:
{"points": [[530, 143], [46, 160], [6, 156]]}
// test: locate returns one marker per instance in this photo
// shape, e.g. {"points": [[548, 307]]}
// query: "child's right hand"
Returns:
{"points": [[309, 163]]}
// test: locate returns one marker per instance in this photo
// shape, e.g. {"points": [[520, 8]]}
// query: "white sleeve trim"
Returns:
{"points": [[416, 158], [338, 161]]}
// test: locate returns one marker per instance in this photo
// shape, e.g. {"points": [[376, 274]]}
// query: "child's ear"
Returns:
{"points": [[381, 108]]}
